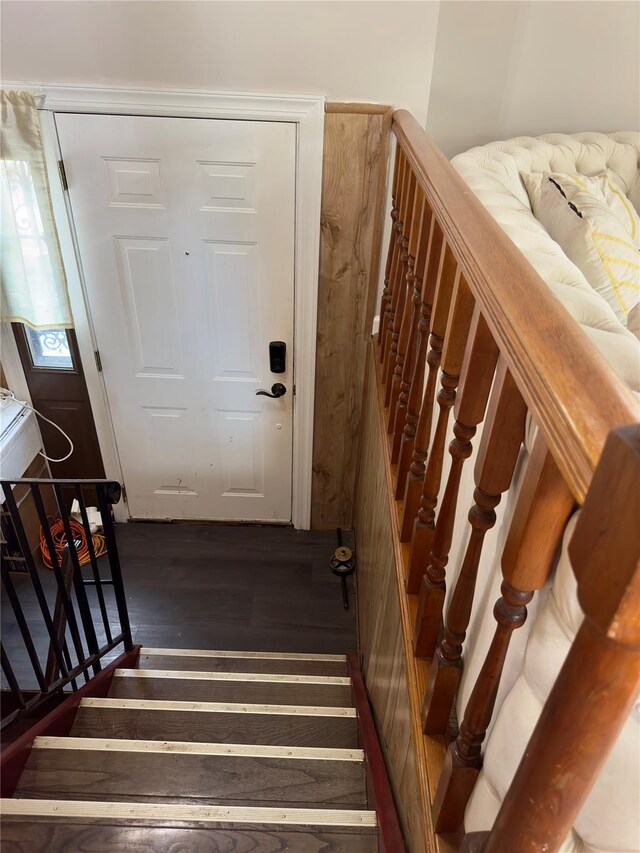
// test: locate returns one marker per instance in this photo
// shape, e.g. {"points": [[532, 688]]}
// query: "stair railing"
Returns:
{"points": [[470, 333], [72, 616]]}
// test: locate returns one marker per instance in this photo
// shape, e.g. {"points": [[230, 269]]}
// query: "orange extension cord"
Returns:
{"points": [[60, 541]]}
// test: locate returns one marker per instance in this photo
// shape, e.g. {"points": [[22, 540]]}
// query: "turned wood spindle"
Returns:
{"points": [[416, 388], [430, 544], [502, 437], [441, 275], [386, 290], [542, 508], [404, 285], [407, 367], [397, 275], [598, 683], [409, 317], [395, 238], [479, 360]]}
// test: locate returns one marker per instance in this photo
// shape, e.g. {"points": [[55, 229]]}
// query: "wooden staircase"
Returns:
{"points": [[204, 751]]}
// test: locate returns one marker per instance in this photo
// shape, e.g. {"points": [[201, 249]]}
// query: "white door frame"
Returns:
{"points": [[307, 112]]}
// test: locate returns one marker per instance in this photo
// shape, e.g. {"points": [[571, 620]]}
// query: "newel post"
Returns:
{"points": [[599, 680]]}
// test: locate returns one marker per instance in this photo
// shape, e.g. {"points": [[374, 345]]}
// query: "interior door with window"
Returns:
{"points": [[54, 374], [185, 230]]}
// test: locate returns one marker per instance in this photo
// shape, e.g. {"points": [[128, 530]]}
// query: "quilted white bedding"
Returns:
{"points": [[610, 819], [492, 172]]}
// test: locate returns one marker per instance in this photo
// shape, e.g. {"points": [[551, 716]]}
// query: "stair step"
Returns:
{"points": [[53, 826], [279, 725], [271, 662], [255, 688], [61, 835], [239, 774]]}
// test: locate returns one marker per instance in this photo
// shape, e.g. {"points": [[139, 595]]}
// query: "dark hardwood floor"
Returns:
{"points": [[205, 586], [251, 588]]}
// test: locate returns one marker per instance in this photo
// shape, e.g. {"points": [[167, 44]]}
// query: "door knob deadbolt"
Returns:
{"points": [[277, 390]]}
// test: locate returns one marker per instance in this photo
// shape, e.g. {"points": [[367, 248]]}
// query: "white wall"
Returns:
{"points": [[497, 69], [367, 51], [504, 69]]}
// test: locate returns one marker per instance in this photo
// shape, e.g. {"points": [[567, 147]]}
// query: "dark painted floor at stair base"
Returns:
{"points": [[70, 774], [219, 727], [203, 586], [37, 835]]}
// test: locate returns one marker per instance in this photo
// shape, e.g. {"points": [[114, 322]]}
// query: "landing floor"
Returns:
{"points": [[213, 587], [250, 588]]}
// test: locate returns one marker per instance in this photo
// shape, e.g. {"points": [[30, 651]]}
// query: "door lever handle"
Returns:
{"points": [[277, 390]]}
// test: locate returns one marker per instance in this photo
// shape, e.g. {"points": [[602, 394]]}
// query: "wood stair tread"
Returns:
{"points": [[60, 835], [90, 769], [248, 724], [188, 659], [32, 826], [203, 751], [208, 686]]}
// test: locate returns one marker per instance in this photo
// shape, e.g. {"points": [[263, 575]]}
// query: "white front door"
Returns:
{"points": [[185, 230]]}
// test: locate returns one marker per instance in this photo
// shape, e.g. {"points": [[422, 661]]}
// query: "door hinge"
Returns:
{"points": [[63, 175], [96, 355], [124, 493], [294, 391]]}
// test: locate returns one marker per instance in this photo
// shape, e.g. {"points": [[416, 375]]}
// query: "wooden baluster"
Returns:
{"points": [[428, 275], [385, 302], [404, 287], [597, 685], [386, 327], [441, 273], [542, 508], [397, 263], [424, 532], [478, 365], [408, 366], [501, 440], [409, 318]]}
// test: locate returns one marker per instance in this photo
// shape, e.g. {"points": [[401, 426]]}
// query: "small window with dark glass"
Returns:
{"points": [[49, 348]]}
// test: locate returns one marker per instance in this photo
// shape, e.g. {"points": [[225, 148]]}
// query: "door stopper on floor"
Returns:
{"points": [[342, 564]]}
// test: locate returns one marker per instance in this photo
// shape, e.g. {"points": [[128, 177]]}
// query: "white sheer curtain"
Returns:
{"points": [[34, 287]]}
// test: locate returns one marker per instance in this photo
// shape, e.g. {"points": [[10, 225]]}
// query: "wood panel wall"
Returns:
{"points": [[380, 628], [356, 145]]}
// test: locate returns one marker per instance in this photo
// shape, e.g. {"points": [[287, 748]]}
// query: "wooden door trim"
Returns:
{"points": [[307, 112]]}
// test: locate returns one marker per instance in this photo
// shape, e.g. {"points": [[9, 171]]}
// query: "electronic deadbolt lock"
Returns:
{"points": [[277, 356]]}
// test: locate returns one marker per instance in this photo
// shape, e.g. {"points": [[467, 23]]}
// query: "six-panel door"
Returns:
{"points": [[186, 238]]}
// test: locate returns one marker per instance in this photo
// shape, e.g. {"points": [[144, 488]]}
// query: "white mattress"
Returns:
{"points": [[609, 822]]}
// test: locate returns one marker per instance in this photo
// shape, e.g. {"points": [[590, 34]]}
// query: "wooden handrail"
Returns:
{"points": [[572, 393], [491, 337]]}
